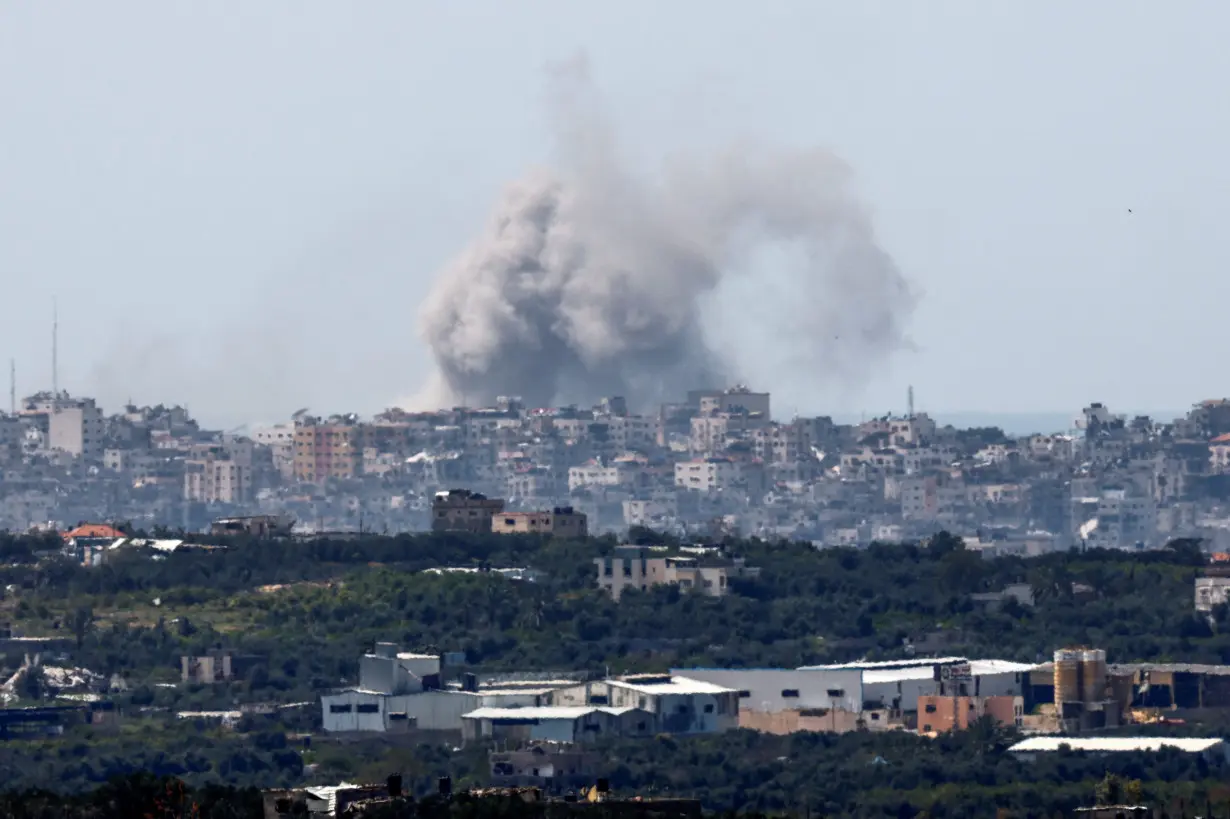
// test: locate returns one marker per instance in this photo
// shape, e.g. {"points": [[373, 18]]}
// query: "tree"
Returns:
{"points": [[83, 620]]}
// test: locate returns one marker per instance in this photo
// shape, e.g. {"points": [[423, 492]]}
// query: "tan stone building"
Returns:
{"points": [[558, 522], [327, 450]]}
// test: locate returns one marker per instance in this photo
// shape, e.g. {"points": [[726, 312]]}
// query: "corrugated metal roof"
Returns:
{"points": [[1116, 744], [980, 667], [892, 675], [677, 685], [911, 663], [543, 712]]}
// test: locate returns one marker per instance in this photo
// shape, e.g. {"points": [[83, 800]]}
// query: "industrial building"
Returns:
{"points": [[572, 724], [679, 705]]}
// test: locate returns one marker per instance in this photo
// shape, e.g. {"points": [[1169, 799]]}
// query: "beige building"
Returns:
{"points": [[216, 478], [326, 450], [460, 510], [75, 426], [640, 569], [558, 522]]}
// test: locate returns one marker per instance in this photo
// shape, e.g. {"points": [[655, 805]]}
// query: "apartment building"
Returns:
{"points": [[561, 521], [327, 450], [641, 568], [460, 510], [75, 426], [280, 438], [217, 479]]}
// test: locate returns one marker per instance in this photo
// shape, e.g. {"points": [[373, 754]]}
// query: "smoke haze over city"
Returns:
{"points": [[592, 278]]}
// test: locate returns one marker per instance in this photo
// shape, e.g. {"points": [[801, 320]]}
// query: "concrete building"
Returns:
{"points": [[1212, 591], [565, 724], [280, 439], [943, 714], [777, 690], [75, 426], [460, 510], [326, 450], [642, 568], [679, 705], [216, 478], [542, 765], [719, 474], [562, 521]]}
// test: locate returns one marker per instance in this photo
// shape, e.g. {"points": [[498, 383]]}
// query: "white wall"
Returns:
{"points": [[352, 719], [880, 687], [765, 687]]}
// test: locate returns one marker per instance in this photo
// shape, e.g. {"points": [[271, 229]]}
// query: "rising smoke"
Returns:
{"points": [[590, 280]]}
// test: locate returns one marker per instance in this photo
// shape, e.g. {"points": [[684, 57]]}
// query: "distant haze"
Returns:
{"points": [[591, 279]]}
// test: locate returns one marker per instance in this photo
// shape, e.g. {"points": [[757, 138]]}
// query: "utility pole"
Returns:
{"points": [[55, 349]]}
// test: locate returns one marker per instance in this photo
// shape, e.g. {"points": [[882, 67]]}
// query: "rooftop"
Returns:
{"points": [[1116, 744], [543, 712], [676, 685]]}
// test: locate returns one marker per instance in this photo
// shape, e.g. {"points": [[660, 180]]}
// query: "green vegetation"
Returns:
{"points": [[307, 610], [966, 775]]}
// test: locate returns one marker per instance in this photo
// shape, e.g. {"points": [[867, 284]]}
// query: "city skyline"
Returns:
{"points": [[210, 229]]}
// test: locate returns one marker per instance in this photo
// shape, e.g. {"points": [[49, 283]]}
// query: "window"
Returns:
{"points": [[926, 728], [368, 708], [930, 708], [790, 693], [339, 709], [744, 694], [709, 708], [875, 717], [836, 693]]}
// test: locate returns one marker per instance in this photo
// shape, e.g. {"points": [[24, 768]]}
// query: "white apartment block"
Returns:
{"points": [[633, 432], [709, 474], [620, 474]]}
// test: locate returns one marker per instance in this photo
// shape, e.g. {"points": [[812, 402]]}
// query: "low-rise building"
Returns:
{"points": [[1212, 591], [942, 714], [679, 705], [641, 568], [561, 521], [460, 510], [571, 724]]}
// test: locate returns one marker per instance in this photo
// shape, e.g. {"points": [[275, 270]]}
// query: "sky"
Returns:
{"points": [[239, 207]]}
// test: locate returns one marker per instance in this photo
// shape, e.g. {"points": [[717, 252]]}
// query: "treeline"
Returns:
{"points": [[813, 775], [137, 616]]}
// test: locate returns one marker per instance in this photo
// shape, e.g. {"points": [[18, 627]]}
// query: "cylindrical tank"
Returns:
{"points": [[1093, 675], [1067, 676]]}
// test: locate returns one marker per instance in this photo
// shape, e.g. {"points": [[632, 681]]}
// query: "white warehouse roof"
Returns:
{"points": [[1115, 744], [677, 685], [892, 675], [544, 712], [887, 664]]}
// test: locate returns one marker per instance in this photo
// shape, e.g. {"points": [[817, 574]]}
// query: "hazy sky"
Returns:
{"points": [[240, 205]]}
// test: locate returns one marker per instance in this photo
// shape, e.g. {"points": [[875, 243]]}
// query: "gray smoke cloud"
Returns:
{"points": [[592, 280]]}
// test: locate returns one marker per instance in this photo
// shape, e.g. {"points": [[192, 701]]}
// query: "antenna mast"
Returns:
{"points": [[910, 401], [55, 350]]}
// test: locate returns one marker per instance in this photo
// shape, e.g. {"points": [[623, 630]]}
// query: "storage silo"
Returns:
{"points": [[1067, 677], [1093, 675]]}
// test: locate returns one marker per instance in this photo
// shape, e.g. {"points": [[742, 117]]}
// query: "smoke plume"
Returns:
{"points": [[592, 280]]}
